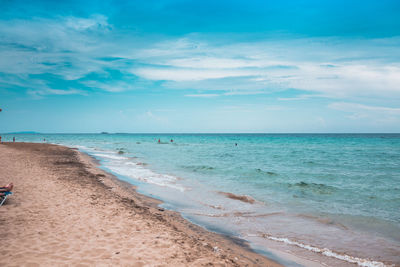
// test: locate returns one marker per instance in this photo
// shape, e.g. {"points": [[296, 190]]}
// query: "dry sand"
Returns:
{"points": [[66, 211]]}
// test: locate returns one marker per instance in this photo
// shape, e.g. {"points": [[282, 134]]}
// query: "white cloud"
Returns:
{"points": [[71, 48], [44, 90], [66, 47], [296, 98], [80, 24], [181, 74], [349, 80], [327, 67], [346, 80], [202, 95], [247, 92], [377, 114], [207, 62], [118, 86], [354, 107]]}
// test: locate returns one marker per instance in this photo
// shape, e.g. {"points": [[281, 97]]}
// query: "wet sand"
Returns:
{"points": [[66, 211]]}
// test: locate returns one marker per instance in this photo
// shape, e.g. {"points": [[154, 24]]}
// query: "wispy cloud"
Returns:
{"points": [[330, 68], [202, 95], [297, 98], [183, 74], [366, 112], [49, 91], [113, 86], [354, 107], [67, 47], [73, 48]]}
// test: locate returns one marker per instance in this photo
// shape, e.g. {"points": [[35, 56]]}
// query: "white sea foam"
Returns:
{"points": [[121, 165], [109, 156], [328, 252], [146, 175], [70, 146], [80, 147]]}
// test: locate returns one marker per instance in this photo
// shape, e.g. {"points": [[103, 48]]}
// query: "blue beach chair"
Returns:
{"points": [[3, 198]]}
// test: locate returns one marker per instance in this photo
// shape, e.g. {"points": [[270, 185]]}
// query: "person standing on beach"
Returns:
{"points": [[14, 139]]}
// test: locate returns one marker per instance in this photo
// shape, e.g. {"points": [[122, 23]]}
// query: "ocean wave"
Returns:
{"points": [[314, 187], [163, 143], [138, 172], [227, 214], [327, 252], [198, 168], [269, 173], [76, 146], [225, 155], [108, 156]]}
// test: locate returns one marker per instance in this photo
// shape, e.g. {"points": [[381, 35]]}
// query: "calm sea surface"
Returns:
{"points": [[322, 196]]}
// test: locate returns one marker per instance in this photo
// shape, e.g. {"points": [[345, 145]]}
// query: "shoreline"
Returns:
{"points": [[88, 214]]}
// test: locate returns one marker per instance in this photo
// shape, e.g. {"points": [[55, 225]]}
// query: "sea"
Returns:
{"points": [[299, 199]]}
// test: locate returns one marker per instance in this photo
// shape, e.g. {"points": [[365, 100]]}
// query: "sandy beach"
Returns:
{"points": [[66, 211]]}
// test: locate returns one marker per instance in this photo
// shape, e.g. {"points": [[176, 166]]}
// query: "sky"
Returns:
{"points": [[174, 66]]}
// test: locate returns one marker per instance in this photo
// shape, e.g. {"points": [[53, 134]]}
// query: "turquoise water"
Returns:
{"points": [[307, 188]]}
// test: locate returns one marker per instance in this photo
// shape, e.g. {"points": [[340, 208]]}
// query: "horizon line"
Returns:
{"points": [[184, 133]]}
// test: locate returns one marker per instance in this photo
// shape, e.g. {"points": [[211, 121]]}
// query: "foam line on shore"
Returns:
{"points": [[327, 252]]}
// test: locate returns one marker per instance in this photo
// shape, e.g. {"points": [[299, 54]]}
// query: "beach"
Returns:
{"points": [[291, 198], [66, 211], [192, 133]]}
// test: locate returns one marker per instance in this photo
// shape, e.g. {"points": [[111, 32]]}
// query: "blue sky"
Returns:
{"points": [[200, 66]]}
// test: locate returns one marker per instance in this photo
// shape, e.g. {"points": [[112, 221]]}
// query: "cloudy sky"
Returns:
{"points": [[200, 66]]}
